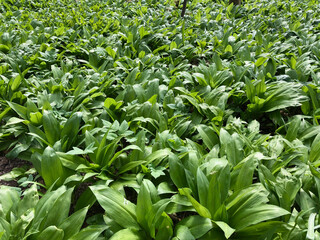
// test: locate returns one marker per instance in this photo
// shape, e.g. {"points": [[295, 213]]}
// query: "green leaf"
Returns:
{"points": [[108, 153], [256, 214], [262, 229], [197, 225], [208, 136], [214, 196], [245, 176], [4, 48], [132, 76], [71, 161], [177, 171], [130, 147], [89, 233], [51, 232], [78, 151], [228, 231], [8, 198], [45, 204], [36, 118], [51, 127], [230, 7], [110, 102], [20, 110], [73, 224], [14, 121], [314, 98], [16, 82], [157, 172], [165, 230], [70, 131], [158, 155], [219, 171], [111, 52], [232, 146], [40, 135], [56, 72], [260, 61], [203, 187], [204, 212], [51, 168], [228, 49], [250, 90], [29, 201], [311, 229], [144, 207], [127, 234], [183, 233], [287, 187], [282, 95], [61, 205], [129, 166], [116, 206], [4, 112], [293, 129], [173, 45], [315, 149]]}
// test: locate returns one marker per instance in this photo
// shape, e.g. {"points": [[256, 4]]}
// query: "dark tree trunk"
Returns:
{"points": [[235, 2], [184, 8]]}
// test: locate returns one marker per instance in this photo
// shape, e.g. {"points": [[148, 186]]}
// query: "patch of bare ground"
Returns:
{"points": [[6, 166]]}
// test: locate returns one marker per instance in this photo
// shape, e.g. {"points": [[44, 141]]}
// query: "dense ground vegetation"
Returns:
{"points": [[140, 124]]}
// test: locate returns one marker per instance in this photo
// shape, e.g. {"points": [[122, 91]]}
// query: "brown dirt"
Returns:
{"points": [[6, 165]]}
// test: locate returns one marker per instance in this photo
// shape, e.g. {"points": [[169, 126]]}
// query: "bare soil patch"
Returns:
{"points": [[6, 165]]}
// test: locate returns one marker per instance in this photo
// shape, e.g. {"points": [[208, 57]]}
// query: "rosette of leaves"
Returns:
{"points": [[227, 202], [125, 220], [25, 216]]}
